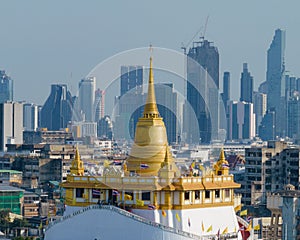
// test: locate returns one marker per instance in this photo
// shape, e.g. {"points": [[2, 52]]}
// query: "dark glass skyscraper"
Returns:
{"points": [[6, 88], [226, 88], [275, 80], [246, 85], [57, 110], [202, 89], [131, 77]]}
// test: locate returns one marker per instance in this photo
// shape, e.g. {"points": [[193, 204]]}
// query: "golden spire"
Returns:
{"points": [[150, 110], [222, 166], [77, 165], [222, 156]]}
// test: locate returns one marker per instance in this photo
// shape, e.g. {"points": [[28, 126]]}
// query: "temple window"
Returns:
{"points": [[79, 192], [207, 194], [217, 193], [186, 195], [227, 193], [197, 194], [146, 196]]}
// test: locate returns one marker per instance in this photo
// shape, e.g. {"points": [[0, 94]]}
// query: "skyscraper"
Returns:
{"points": [[99, 104], [131, 78], [6, 88], [169, 109], [57, 110], [129, 102], [226, 88], [86, 98], [260, 107], [30, 117], [275, 79], [246, 85], [241, 121], [202, 89], [11, 124]]}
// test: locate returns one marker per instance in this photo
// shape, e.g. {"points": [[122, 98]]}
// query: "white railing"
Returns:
{"points": [[139, 219]]}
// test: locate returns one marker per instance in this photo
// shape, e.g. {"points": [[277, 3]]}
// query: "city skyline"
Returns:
{"points": [[51, 43]]}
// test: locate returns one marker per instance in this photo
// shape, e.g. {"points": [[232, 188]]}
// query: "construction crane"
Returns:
{"points": [[185, 46]]}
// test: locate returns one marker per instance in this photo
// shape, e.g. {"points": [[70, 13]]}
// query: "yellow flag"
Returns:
{"points": [[238, 208], [139, 202], [243, 213], [41, 225], [203, 227], [225, 230], [106, 163], [127, 197], [257, 227], [163, 213], [209, 229], [177, 217], [249, 226]]}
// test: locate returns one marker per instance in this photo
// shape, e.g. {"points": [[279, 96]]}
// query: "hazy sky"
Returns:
{"points": [[44, 42]]}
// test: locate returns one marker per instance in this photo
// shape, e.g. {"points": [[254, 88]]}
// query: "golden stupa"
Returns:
{"points": [[150, 146]]}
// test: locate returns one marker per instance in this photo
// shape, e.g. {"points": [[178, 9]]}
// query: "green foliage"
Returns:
{"points": [[4, 219]]}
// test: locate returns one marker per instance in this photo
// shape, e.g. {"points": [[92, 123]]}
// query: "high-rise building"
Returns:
{"points": [[99, 104], [57, 110], [266, 129], [226, 88], [30, 117], [241, 121], [11, 124], [131, 78], [246, 85], [6, 88], [202, 89], [105, 128], [169, 108], [260, 108], [86, 98], [128, 104], [275, 80], [293, 117]]}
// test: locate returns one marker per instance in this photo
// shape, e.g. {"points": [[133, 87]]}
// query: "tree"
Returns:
{"points": [[4, 220]]}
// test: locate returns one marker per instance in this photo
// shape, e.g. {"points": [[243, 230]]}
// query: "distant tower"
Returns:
{"points": [[168, 107], [87, 98], [246, 85], [30, 117], [260, 107], [205, 107], [131, 78], [241, 121], [275, 79], [129, 101], [6, 88], [105, 128], [57, 110], [11, 124], [226, 88], [99, 104]]}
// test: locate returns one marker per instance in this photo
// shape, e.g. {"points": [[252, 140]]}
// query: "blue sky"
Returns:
{"points": [[61, 41]]}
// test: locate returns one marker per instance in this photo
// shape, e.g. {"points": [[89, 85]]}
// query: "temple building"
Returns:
{"points": [[152, 187]]}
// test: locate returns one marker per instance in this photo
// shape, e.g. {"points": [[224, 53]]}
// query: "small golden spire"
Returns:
{"points": [[77, 165], [150, 110], [222, 156]]}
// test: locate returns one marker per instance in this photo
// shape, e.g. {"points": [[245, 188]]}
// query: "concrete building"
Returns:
{"points": [[99, 104], [241, 121], [11, 198], [269, 169], [11, 124], [30, 117]]}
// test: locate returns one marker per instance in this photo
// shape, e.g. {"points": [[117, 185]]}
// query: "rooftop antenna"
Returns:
{"points": [[202, 36]]}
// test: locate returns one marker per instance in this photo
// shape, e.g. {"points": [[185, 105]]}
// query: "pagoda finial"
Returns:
{"points": [[77, 165], [150, 110], [222, 156]]}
